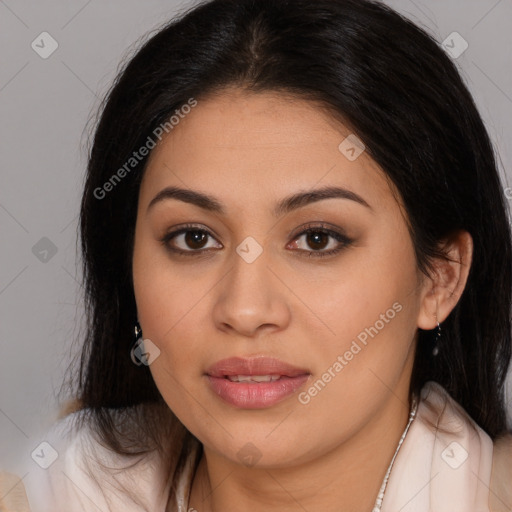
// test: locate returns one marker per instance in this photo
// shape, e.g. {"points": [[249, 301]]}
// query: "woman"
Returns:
{"points": [[298, 270]]}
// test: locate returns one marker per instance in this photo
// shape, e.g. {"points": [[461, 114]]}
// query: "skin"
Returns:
{"points": [[249, 151]]}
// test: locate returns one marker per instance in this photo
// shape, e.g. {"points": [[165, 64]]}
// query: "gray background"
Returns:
{"points": [[45, 106]]}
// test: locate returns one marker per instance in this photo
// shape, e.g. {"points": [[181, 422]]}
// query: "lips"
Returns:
{"points": [[255, 383], [254, 366]]}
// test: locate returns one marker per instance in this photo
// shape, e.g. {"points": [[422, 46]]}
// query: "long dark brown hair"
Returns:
{"points": [[377, 72]]}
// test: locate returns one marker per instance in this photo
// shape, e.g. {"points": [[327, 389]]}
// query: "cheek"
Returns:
{"points": [[165, 302], [370, 317], [369, 355], [169, 314], [372, 288], [164, 293]]}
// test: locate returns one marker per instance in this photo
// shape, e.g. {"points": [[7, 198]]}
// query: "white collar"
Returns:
{"points": [[445, 462]]}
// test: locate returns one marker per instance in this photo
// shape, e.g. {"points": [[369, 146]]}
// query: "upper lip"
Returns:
{"points": [[254, 366]]}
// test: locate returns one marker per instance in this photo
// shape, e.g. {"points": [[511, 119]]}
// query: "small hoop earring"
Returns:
{"points": [[136, 353], [138, 331], [437, 335]]}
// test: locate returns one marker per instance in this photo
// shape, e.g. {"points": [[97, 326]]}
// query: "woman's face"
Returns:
{"points": [[321, 325]]}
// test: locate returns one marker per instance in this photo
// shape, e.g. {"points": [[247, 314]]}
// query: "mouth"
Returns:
{"points": [[254, 378], [255, 383]]}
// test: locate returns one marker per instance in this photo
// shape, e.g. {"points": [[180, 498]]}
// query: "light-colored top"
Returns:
{"points": [[444, 465]]}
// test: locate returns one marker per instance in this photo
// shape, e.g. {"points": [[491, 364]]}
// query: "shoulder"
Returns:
{"points": [[495, 457], [63, 478], [448, 416], [75, 472]]}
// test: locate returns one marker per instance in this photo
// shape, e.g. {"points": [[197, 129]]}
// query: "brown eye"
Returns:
{"points": [[320, 241], [195, 239], [317, 240], [188, 240]]}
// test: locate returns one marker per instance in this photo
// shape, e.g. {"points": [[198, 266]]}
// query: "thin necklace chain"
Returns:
{"points": [[380, 496]]}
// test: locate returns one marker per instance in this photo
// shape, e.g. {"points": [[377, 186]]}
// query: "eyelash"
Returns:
{"points": [[308, 229]]}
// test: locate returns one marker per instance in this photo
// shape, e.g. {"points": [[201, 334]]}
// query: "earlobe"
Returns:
{"points": [[443, 289]]}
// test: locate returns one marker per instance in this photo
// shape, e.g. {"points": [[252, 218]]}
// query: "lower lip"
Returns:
{"points": [[256, 395]]}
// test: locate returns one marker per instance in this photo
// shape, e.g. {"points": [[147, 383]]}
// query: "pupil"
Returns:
{"points": [[317, 238], [194, 238]]}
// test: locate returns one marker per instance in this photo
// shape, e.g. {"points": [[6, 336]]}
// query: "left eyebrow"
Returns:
{"points": [[286, 205], [302, 199], [200, 199]]}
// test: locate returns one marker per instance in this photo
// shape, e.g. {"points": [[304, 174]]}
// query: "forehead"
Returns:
{"points": [[260, 145]]}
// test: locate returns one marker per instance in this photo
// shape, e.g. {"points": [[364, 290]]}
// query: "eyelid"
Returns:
{"points": [[179, 230], [318, 225], [323, 227]]}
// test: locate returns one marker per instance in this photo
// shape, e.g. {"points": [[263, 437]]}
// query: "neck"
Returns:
{"points": [[350, 474]]}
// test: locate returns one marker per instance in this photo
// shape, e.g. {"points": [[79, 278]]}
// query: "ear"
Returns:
{"points": [[443, 289]]}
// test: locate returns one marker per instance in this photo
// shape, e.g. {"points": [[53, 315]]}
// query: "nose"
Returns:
{"points": [[251, 299]]}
